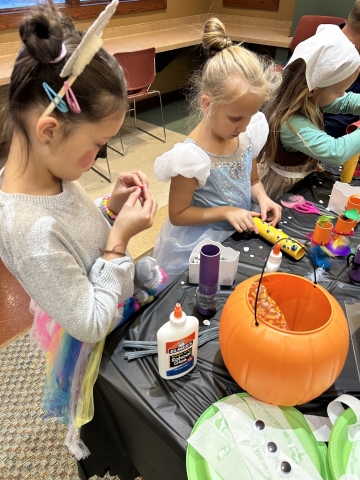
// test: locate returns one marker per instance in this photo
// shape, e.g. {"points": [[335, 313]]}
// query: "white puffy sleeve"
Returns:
{"points": [[258, 130], [186, 159]]}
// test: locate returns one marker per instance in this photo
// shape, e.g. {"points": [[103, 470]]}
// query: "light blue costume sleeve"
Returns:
{"points": [[349, 103], [316, 143]]}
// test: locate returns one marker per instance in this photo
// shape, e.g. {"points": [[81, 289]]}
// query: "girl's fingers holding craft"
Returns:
{"points": [[274, 215], [150, 203], [133, 220], [136, 178], [133, 198], [241, 220], [270, 211], [250, 222]]}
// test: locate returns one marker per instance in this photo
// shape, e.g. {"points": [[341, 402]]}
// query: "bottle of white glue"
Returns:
{"points": [[177, 343], [274, 261]]}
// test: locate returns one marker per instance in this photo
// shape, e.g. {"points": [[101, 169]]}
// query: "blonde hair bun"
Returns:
{"points": [[214, 37]]}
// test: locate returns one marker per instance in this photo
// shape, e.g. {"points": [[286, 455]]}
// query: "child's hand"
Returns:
{"points": [[242, 220], [126, 183], [270, 211], [130, 220]]}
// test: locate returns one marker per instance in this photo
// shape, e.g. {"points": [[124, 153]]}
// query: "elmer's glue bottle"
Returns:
{"points": [[177, 343], [274, 260]]}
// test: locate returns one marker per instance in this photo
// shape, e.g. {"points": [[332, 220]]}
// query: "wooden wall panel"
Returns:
{"points": [[254, 4], [10, 18]]}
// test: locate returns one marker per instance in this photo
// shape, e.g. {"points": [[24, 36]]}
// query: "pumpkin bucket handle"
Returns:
{"points": [[263, 270]]}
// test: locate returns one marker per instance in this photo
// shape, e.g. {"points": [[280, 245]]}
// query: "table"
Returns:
{"points": [[142, 421]]}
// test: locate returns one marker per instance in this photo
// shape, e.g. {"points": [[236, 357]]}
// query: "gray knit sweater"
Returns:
{"points": [[51, 244]]}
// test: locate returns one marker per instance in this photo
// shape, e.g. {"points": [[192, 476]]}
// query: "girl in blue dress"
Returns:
{"points": [[213, 174]]}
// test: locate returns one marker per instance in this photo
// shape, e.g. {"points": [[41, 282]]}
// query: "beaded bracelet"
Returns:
{"points": [[106, 209]]}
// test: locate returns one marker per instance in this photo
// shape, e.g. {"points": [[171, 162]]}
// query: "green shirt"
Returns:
{"points": [[318, 144]]}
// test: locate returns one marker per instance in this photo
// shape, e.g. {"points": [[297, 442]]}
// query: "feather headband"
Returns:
{"points": [[84, 53]]}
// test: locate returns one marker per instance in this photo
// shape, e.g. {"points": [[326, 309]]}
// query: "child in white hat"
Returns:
{"points": [[320, 70]]}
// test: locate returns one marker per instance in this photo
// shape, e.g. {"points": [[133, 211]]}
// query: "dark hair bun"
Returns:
{"points": [[42, 33], [214, 37]]}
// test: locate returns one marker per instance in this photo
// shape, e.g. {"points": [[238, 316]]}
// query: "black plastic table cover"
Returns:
{"points": [[142, 421]]}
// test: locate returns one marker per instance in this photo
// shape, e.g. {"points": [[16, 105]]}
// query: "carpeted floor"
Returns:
{"points": [[30, 447]]}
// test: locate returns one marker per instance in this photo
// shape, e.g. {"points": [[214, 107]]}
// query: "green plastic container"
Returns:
{"points": [[199, 469], [340, 445]]}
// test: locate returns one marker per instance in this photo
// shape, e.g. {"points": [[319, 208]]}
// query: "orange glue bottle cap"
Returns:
{"points": [[178, 311], [276, 249]]}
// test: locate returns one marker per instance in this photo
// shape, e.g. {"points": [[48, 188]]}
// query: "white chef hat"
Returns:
{"points": [[329, 55]]}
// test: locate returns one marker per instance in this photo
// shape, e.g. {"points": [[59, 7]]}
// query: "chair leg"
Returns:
{"points": [[134, 109], [122, 147], [162, 117], [108, 179]]}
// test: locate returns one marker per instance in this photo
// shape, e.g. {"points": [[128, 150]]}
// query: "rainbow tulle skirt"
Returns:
{"points": [[72, 368]]}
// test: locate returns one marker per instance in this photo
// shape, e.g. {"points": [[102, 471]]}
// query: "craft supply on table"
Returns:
{"points": [[229, 259], [177, 344], [240, 437], [321, 258], [348, 170], [274, 260], [353, 203], [287, 244], [344, 443], [327, 241], [354, 260], [323, 230], [254, 349], [349, 166], [145, 348], [265, 307], [306, 207], [298, 203], [344, 197], [347, 222], [206, 293]]}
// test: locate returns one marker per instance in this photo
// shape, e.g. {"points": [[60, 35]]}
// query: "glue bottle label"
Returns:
{"points": [[179, 355]]}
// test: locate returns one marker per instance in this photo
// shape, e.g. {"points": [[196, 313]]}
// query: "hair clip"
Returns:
{"points": [[284, 469], [71, 99], [271, 450], [61, 55], [55, 98], [259, 427]]}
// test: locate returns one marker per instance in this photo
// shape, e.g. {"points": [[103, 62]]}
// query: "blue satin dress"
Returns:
{"points": [[229, 183]]}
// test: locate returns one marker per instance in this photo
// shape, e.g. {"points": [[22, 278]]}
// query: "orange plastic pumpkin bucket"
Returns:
{"points": [[284, 367]]}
